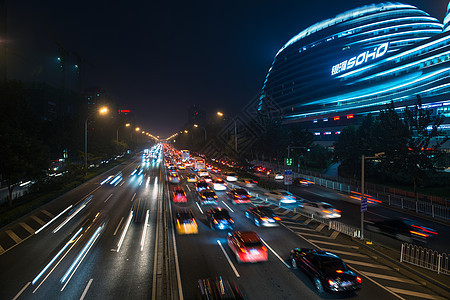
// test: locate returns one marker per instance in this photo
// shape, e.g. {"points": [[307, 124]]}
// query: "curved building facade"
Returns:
{"points": [[340, 69]]}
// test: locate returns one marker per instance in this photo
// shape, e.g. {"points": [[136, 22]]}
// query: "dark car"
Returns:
{"points": [[262, 216], [201, 185], [219, 289], [403, 229], [207, 197], [219, 218], [238, 196], [328, 272]]}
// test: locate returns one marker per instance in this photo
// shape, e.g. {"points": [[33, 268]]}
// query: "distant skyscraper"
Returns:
{"points": [[196, 115]]}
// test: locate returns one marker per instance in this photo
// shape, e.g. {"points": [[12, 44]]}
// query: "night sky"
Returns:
{"points": [[159, 58]]}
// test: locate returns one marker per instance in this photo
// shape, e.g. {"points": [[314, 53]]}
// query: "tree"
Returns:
{"points": [[347, 151]]}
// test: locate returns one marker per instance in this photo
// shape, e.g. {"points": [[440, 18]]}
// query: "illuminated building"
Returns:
{"points": [[338, 70]]}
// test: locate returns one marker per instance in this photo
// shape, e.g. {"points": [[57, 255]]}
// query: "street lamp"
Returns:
{"points": [[220, 114], [363, 201], [196, 126], [126, 125], [102, 111]]}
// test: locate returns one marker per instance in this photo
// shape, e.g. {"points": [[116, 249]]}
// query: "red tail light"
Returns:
{"points": [[277, 218], [264, 248], [326, 211], [336, 210], [358, 279], [242, 250]]}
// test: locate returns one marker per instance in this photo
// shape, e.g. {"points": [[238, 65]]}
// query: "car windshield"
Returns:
{"points": [[184, 216], [327, 206], [202, 184], [266, 211], [241, 192], [209, 194], [255, 244], [222, 214]]}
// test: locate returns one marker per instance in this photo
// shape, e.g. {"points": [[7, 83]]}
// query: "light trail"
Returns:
{"points": [[145, 231], [49, 222], [124, 232], [69, 217], [229, 260]]}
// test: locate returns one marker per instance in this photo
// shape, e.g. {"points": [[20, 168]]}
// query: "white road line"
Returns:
{"points": [[27, 228], [345, 253], [122, 183], [144, 232], [391, 278], [118, 226], [335, 244], [227, 206], [199, 208], [22, 290], [124, 232], [416, 294], [276, 254], [108, 198], [49, 222], [13, 236], [132, 198], [86, 289], [361, 263], [229, 260], [188, 187]]}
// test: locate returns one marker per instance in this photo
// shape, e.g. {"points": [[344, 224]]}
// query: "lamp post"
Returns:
{"points": [[220, 114], [364, 202], [126, 125], [204, 129], [102, 111]]}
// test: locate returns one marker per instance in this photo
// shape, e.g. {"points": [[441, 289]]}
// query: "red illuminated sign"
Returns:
{"points": [[122, 111], [336, 118], [350, 116]]}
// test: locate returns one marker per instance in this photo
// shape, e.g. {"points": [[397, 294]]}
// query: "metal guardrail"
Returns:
{"points": [[426, 258]]}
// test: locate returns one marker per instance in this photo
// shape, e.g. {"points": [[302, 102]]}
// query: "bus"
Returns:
{"points": [[199, 163], [185, 155]]}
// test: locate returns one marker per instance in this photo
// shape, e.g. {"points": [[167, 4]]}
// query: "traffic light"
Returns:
{"points": [[289, 161]]}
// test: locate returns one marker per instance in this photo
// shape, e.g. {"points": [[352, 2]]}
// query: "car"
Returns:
{"points": [[247, 246], [403, 229], [219, 184], [185, 222], [278, 176], [302, 182], [179, 195], [215, 170], [322, 209], [201, 185], [239, 195], [174, 178], [262, 216], [250, 183], [191, 177], [207, 196], [181, 166], [327, 270], [282, 196], [231, 177], [207, 178], [202, 172], [219, 218], [219, 288]]}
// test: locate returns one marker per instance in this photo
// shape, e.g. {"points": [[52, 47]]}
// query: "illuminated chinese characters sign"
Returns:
{"points": [[360, 59]]}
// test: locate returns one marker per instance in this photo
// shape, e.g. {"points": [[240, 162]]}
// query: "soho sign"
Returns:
{"points": [[360, 59]]}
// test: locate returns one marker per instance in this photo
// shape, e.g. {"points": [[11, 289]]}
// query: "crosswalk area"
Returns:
{"points": [[21, 231], [357, 258]]}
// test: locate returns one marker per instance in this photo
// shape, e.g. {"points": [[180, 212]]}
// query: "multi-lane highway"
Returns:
{"points": [[121, 244]]}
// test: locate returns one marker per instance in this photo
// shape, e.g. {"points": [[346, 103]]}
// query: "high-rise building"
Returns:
{"points": [[338, 70]]}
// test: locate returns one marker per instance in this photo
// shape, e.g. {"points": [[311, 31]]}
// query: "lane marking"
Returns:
{"points": [[199, 208], [335, 244], [307, 221], [361, 263], [122, 183], [22, 290], [1, 250], [346, 253], [144, 232], [132, 198], [227, 206], [118, 225], [42, 223], [86, 289], [27, 227], [320, 227], [334, 235], [276, 254], [229, 260], [13, 236], [392, 278], [124, 232], [188, 188], [55, 218], [108, 198], [47, 213], [416, 294]]}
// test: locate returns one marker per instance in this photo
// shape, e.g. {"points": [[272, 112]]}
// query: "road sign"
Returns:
{"points": [[288, 161], [287, 177], [363, 204]]}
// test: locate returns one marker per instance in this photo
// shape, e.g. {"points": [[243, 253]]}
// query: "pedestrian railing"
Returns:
{"points": [[426, 258], [344, 228]]}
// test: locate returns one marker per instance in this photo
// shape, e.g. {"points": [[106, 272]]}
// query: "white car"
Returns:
{"points": [[232, 177], [202, 172], [322, 209], [278, 176], [219, 185], [282, 196]]}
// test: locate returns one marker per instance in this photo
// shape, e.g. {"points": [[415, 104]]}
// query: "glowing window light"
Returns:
{"points": [[325, 119], [316, 133], [327, 132]]}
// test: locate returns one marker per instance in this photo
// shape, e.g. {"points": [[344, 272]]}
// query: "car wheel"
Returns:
{"points": [[257, 223], [318, 285], [294, 263]]}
